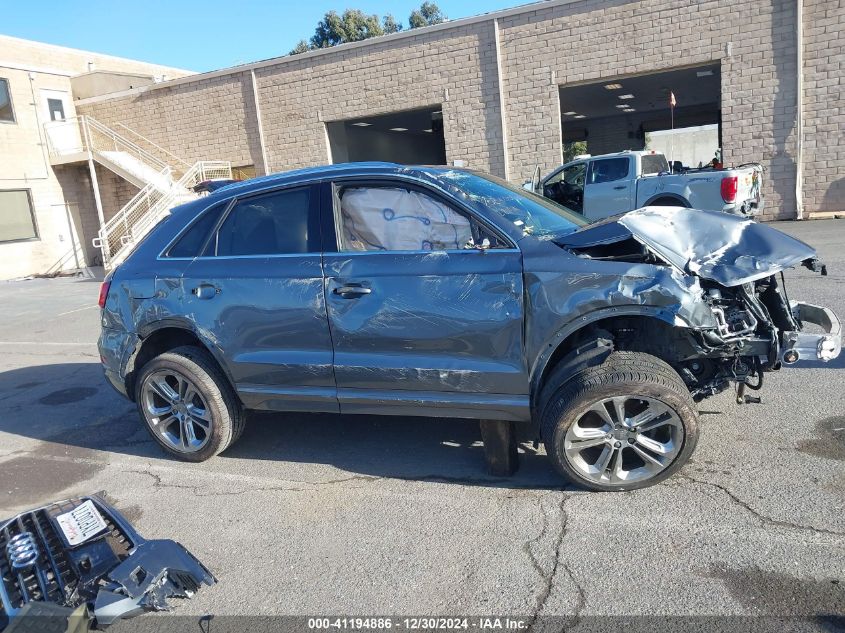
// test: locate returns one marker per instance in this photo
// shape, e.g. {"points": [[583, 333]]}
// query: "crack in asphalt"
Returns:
{"points": [[197, 490], [766, 520], [549, 577]]}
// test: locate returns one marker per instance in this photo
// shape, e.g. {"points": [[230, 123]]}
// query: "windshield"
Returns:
{"points": [[532, 214]]}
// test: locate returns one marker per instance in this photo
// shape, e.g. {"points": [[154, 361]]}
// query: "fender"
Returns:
{"points": [[539, 366], [682, 202], [177, 323]]}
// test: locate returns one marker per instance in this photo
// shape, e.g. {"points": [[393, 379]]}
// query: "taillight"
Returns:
{"points": [[730, 184], [104, 293]]}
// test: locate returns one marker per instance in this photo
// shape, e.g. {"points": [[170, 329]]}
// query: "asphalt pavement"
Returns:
{"points": [[326, 514]]}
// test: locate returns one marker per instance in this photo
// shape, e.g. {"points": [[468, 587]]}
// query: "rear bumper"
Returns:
{"points": [[115, 348], [798, 346], [748, 209]]}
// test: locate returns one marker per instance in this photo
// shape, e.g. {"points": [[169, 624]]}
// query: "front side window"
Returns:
{"points": [[278, 223], [388, 218], [608, 170], [6, 112], [575, 175], [17, 218]]}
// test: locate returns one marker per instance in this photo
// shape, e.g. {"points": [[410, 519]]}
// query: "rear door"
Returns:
{"points": [[610, 187], [421, 318], [257, 293]]}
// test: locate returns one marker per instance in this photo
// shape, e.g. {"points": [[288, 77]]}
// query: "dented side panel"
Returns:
{"points": [[565, 293], [447, 321], [267, 316]]}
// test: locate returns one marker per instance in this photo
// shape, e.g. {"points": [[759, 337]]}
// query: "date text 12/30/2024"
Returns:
{"points": [[418, 623]]}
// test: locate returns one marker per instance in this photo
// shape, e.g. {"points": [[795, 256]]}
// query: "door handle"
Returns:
{"points": [[351, 291], [205, 291], [618, 187]]}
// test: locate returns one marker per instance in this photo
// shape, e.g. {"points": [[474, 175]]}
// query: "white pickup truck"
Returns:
{"points": [[601, 186]]}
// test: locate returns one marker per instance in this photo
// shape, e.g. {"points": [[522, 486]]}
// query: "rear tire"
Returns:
{"points": [[669, 202], [188, 405], [627, 423]]}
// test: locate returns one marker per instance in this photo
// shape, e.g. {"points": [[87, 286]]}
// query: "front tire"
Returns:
{"points": [[188, 405], [625, 424]]}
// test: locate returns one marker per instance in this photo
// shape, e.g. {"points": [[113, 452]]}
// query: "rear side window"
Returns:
{"points": [[191, 242], [279, 223], [608, 170], [654, 164]]}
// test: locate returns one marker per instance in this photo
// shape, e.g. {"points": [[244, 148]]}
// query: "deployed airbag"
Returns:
{"points": [[390, 219]]}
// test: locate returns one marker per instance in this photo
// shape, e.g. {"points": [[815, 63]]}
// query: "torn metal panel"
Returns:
{"points": [[83, 558], [727, 249]]}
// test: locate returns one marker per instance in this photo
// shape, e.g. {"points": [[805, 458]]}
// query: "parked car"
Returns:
{"points": [[602, 186], [384, 289]]}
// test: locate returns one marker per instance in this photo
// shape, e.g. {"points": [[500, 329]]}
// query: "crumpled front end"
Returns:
{"points": [[79, 563], [752, 326]]}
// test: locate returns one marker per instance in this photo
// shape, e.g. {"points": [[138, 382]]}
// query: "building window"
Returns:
{"points": [[6, 113], [17, 219], [57, 109]]}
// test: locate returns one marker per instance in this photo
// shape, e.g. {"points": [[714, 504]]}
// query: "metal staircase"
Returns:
{"points": [[164, 180]]}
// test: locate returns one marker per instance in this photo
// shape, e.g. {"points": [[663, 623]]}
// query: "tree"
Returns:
{"points": [[390, 25], [573, 149], [352, 26], [301, 47], [427, 15]]}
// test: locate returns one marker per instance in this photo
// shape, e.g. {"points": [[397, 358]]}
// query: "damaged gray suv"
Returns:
{"points": [[381, 289]]}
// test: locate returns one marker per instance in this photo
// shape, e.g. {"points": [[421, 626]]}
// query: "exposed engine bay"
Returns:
{"points": [[736, 268], [79, 565]]}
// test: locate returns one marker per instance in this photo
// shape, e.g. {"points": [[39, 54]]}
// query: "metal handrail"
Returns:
{"points": [[96, 137], [151, 203], [182, 161]]}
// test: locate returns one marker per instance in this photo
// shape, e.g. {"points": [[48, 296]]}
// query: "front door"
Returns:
{"points": [[256, 293], [63, 135], [610, 187], [425, 306]]}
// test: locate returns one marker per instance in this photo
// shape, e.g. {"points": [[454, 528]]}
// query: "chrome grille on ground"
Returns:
{"points": [[36, 565]]}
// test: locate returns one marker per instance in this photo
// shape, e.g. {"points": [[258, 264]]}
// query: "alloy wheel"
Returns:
{"points": [[624, 439], [176, 411]]}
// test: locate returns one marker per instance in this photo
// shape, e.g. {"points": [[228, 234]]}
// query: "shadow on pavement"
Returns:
{"points": [[73, 411]]}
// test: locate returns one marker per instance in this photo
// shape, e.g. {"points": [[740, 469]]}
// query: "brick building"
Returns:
{"points": [[510, 90], [47, 212]]}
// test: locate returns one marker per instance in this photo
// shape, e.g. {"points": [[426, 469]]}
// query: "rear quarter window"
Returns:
{"points": [[191, 242], [653, 164]]}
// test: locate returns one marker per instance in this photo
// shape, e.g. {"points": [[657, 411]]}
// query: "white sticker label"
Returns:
{"points": [[81, 523]]}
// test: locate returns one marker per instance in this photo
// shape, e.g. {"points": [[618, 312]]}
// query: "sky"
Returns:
{"points": [[199, 36]]}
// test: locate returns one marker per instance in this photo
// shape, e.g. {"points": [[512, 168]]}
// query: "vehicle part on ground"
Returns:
{"points": [[81, 559], [189, 407], [621, 425], [295, 313]]}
